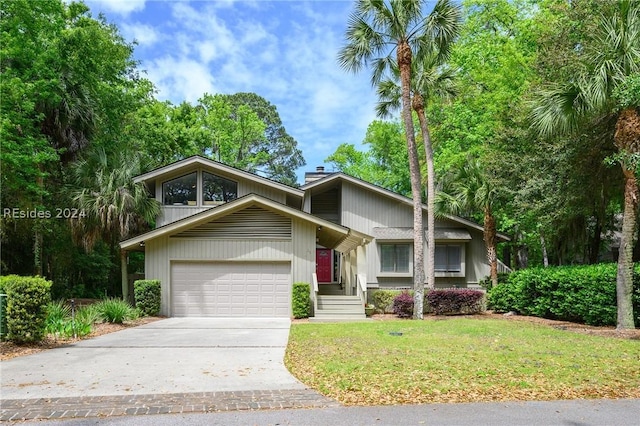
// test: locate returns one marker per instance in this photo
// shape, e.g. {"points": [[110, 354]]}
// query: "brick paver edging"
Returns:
{"points": [[198, 402]]}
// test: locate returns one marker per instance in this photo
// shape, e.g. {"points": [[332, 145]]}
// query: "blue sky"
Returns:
{"points": [[285, 51]]}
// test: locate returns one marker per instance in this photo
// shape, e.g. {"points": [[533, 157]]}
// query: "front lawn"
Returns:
{"points": [[459, 360]]}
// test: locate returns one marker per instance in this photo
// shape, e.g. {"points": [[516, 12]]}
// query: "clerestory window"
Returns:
{"points": [[218, 190], [180, 191]]}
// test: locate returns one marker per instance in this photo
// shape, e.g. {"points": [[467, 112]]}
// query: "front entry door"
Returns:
{"points": [[324, 265]]}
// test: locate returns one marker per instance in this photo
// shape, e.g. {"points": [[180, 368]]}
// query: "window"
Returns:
{"points": [[448, 258], [395, 257], [180, 191], [217, 190]]}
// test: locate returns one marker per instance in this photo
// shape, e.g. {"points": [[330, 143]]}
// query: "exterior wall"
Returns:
{"points": [[364, 210], [299, 250], [171, 214]]}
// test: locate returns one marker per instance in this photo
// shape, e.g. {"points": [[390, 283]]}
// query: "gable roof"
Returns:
{"points": [[205, 162], [340, 176], [330, 235]]}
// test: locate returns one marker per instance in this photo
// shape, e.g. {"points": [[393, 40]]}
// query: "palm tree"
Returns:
{"points": [[470, 190], [113, 206], [430, 80], [375, 30], [610, 62]]}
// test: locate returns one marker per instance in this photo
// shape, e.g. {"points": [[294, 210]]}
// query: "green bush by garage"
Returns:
{"points": [[300, 300], [147, 296]]}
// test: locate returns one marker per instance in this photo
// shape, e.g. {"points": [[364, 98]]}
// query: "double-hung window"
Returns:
{"points": [[395, 258], [448, 258]]}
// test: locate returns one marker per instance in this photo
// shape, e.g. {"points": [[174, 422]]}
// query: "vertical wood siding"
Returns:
{"points": [[300, 250]]}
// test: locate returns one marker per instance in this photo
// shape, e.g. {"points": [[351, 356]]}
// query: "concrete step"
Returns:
{"points": [[342, 305], [331, 315]]}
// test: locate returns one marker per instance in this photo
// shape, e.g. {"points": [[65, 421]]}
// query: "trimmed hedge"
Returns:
{"points": [[300, 301], [147, 295], [462, 301], [570, 293], [27, 300]]}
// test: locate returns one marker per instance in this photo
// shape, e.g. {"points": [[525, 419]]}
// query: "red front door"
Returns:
{"points": [[324, 265]]}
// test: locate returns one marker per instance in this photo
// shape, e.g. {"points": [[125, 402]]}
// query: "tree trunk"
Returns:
{"points": [[543, 246], [418, 106], [404, 64], [489, 231], [624, 281], [627, 140]]}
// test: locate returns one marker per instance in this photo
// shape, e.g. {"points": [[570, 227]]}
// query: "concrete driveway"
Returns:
{"points": [[176, 355]]}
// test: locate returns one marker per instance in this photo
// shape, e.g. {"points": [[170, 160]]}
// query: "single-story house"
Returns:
{"points": [[232, 243]]}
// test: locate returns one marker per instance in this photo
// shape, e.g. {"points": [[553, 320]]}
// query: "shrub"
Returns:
{"points": [[383, 299], [301, 303], [61, 321], [461, 301], [115, 310], [27, 299], [3, 309], [486, 281], [147, 296], [403, 305], [57, 314], [572, 293]]}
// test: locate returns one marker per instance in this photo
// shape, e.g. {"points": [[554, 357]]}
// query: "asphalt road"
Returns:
{"points": [[539, 413]]}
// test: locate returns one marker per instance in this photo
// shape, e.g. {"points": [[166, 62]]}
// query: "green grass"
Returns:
{"points": [[460, 359]]}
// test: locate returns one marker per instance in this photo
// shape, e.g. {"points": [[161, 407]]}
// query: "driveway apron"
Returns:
{"points": [[176, 355]]}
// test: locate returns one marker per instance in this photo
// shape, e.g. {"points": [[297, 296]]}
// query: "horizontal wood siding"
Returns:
{"points": [[251, 223]]}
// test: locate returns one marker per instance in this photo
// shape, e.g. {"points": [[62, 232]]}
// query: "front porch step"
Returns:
{"points": [[334, 289], [339, 308]]}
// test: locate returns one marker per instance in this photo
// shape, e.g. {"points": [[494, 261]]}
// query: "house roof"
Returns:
{"points": [[205, 162], [329, 234], [339, 176], [441, 234]]}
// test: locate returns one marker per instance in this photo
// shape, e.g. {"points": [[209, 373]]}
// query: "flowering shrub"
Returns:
{"points": [[403, 305], [456, 301]]}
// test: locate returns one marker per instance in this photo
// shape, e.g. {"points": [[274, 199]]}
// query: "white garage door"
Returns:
{"points": [[230, 289]]}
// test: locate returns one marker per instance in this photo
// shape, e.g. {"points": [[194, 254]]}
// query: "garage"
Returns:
{"points": [[230, 289]]}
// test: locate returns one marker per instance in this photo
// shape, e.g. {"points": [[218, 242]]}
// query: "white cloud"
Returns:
{"points": [[122, 7], [145, 35], [181, 79]]}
